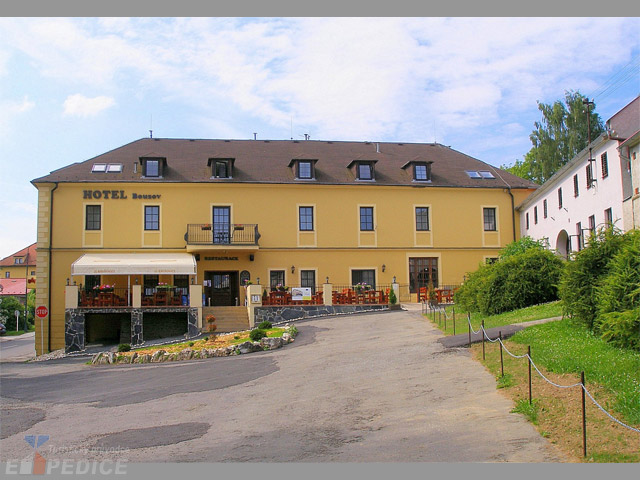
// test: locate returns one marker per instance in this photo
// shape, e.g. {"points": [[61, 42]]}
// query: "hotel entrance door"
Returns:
{"points": [[221, 289]]}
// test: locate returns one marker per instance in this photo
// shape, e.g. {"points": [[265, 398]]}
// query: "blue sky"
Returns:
{"points": [[73, 88]]}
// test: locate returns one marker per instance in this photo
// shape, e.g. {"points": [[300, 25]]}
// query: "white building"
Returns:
{"points": [[587, 194]]}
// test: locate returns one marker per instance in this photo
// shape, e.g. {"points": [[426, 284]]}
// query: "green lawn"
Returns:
{"points": [[564, 347], [537, 312]]}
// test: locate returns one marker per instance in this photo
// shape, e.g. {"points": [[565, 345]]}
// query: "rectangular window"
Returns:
{"points": [[423, 271], [151, 217], [608, 216], [535, 216], [363, 276], [605, 165], [422, 219], [560, 198], [18, 260], [579, 235], [420, 172], [366, 219], [221, 169], [305, 170], [181, 282], [589, 172], [7, 274], [276, 277], [489, 219], [91, 281], [152, 168], [150, 282], [306, 218], [93, 217], [527, 219], [544, 208], [308, 280], [592, 224], [576, 190], [365, 171]]}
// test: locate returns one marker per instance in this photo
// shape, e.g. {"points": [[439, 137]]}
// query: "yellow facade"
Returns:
{"points": [[333, 248]]}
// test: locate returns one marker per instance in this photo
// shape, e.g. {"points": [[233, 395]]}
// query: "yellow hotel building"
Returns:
{"points": [[206, 216]]}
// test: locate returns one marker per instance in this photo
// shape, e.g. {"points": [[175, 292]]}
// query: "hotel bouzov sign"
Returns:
{"points": [[116, 195]]}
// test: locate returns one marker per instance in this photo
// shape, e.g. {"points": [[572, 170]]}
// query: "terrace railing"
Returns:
{"points": [[222, 234]]}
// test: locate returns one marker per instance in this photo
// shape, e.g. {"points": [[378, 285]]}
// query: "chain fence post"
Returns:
{"points": [[482, 333], [469, 323], [501, 359], [584, 417], [445, 319], [529, 360], [454, 320]]}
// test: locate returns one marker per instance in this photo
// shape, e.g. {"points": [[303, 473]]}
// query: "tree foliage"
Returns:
{"points": [[601, 287], [558, 137]]}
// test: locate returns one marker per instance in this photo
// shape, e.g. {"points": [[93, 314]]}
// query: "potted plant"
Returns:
{"points": [[211, 322], [104, 288], [393, 300], [281, 288], [206, 226], [164, 286]]}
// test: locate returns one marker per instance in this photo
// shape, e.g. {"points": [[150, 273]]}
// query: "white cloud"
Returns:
{"points": [[10, 110], [342, 77], [80, 106]]}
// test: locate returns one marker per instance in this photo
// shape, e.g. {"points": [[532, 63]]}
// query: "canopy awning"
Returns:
{"points": [[134, 264]]}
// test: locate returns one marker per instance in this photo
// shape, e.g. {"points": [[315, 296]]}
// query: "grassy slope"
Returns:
{"points": [[537, 312]]}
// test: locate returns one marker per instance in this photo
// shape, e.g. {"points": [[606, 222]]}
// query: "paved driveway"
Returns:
{"points": [[367, 388]]}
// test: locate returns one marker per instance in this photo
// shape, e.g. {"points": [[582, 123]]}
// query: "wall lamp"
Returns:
{"points": [[293, 269], [384, 267]]}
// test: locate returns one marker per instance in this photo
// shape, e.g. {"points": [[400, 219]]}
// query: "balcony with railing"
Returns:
{"points": [[236, 236]]}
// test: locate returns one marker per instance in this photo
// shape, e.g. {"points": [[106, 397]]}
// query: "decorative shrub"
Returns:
{"points": [[516, 280], [124, 347], [256, 335], [266, 325]]}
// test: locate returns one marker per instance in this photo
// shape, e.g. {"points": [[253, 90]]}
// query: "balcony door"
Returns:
{"points": [[221, 225]]}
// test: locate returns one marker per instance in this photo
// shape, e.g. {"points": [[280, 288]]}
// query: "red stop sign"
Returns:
{"points": [[42, 311]]}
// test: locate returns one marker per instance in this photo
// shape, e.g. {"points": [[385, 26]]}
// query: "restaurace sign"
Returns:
{"points": [[116, 195]]}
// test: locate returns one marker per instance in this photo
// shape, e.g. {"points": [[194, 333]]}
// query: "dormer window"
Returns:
{"points": [[18, 260], [221, 167], [421, 170], [304, 169], [365, 171], [153, 167]]}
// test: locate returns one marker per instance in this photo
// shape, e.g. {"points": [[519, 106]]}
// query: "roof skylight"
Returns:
{"points": [[99, 167]]}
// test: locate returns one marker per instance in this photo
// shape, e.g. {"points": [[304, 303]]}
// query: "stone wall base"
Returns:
{"points": [[291, 313]]}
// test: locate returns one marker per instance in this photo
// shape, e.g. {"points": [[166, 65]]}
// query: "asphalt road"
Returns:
{"points": [[19, 348], [365, 388]]}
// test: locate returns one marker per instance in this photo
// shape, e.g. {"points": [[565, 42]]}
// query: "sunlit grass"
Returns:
{"points": [[537, 312]]}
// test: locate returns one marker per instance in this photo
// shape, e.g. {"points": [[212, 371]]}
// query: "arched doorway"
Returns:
{"points": [[563, 244]]}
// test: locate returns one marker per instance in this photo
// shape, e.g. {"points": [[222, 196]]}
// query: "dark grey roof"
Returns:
{"points": [[270, 161]]}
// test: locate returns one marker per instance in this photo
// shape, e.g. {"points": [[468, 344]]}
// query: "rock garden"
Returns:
{"points": [[264, 337]]}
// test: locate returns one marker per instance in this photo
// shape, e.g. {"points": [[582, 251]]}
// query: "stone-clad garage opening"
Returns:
{"points": [[108, 328], [164, 324]]}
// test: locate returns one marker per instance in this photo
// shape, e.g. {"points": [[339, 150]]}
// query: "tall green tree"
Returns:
{"points": [[561, 134]]}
